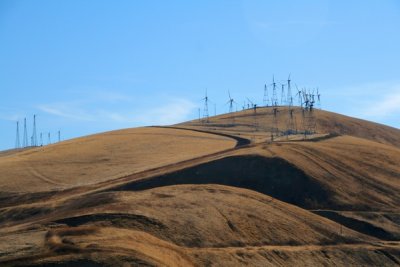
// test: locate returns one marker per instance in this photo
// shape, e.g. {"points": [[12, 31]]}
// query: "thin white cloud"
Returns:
{"points": [[386, 106], [67, 110], [290, 23], [172, 110], [93, 94], [110, 96], [10, 117], [374, 101], [83, 108], [10, 114], [360, 90]]}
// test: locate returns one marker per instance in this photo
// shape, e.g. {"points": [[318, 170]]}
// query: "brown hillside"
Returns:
{"points": [[217, 193], [101, 157], [182, 225], [242, 123]]}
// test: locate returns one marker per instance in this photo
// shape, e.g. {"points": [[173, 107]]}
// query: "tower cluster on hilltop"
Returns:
{"points": [[34, 140], [282, 105]]}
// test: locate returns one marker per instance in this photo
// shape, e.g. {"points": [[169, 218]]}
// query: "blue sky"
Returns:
{"points": [[88, 66]]}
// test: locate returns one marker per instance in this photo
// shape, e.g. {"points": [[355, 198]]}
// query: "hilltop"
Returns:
{"points": [[217, 192]]}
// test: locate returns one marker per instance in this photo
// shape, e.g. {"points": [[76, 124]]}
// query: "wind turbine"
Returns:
{"points": [[254, 106], [312, 100], [230, 102], [255, 113], [289, 92], [299, 94], [205, 110], [274, 99], [306, 99]]}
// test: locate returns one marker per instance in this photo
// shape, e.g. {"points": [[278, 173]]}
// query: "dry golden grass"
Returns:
{"points": [[110, 205], [101, 157], [363, 175], [182, 226]]}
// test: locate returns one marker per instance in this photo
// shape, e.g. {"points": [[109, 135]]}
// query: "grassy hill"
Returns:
{"points": [[207, 193]]}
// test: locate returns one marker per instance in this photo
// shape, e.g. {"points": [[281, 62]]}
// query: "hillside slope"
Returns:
{"points": [[101, 157], [185, 225], [258, 124], [200, 196]]}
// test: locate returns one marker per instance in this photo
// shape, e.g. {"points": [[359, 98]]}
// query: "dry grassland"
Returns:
{"points": [[101, 157], [201, 196]]}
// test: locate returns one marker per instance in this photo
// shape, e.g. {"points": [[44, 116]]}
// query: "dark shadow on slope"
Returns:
{"points": [[271, 176], [105, 260], [11, 215], [388, 255], [115, 219], [8, 199], [67, 263], [315, 139], [357, 225]]}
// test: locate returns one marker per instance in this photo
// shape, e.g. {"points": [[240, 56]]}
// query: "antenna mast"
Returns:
{"points": [[199, 115], [48, 139], [59, 136], [283, 95], [17, 143], [34, 136], [265, 99], [25, 138], [290, 124]]}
